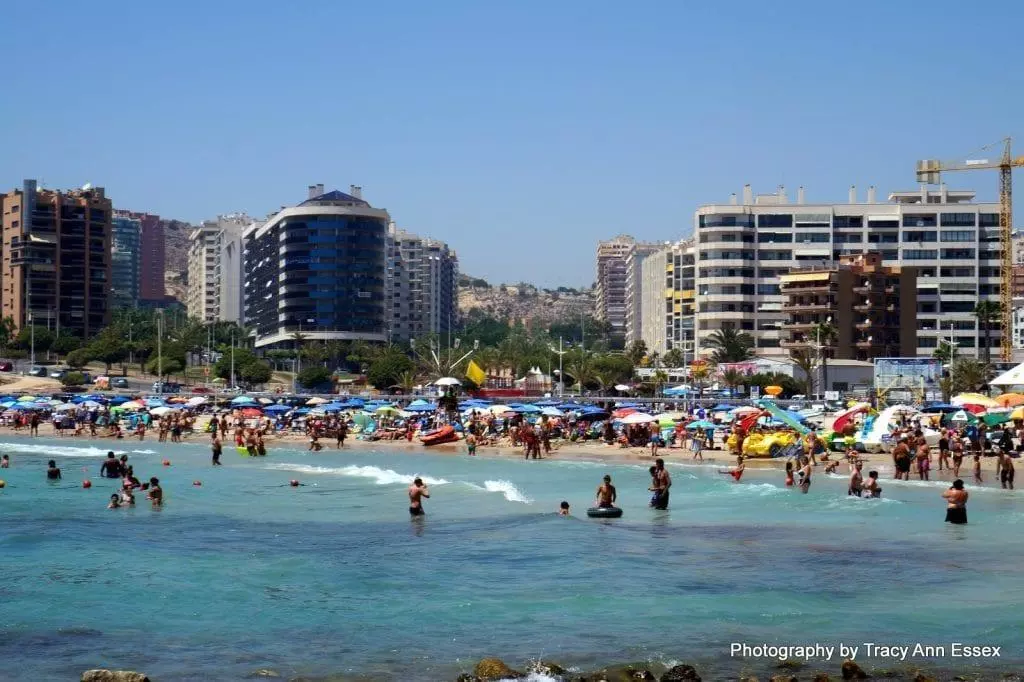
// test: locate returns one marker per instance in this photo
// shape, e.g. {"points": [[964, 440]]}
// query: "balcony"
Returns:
{"points": [[815, 307], [806, 287]]}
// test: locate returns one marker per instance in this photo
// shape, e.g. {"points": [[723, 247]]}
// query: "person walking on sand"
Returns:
{"points": [[956, 503], [417, 491]]}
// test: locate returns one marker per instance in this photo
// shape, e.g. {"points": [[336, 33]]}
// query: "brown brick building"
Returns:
{"points": [[872, 307], [56, 258]]}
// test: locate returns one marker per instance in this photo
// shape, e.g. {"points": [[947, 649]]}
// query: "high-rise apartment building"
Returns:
{"points": [[56, 246], [664, 316], [215, 269], [613, 258], [421, 286], [746, 245], [318, 269], [151, 256], [125, 262], [872, 309]]}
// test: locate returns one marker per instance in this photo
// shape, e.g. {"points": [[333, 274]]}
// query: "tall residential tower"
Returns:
{"points": [[215, 269]]}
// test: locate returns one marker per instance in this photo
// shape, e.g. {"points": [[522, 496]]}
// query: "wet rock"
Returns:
{"points": [[113, 676], [852, 671], [790, 664], [922, 677], [495, 669], [749, 678], [820, 677], [681, 673], [548, 668], [263, 672], [783, 678], [466, 677]]}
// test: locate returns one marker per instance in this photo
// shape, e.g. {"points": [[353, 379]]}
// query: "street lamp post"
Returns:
{"points": [[561, 377], [232, 358], [159, 350]]}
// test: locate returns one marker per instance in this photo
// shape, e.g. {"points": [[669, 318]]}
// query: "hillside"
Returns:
{"points": [[523, 302]]}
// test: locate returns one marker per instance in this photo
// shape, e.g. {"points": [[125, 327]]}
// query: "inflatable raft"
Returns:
{"points": [[445, 434], [604, 512]]}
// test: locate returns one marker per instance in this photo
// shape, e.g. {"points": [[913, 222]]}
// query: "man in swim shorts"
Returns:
{"points": [[52, 472], [1006, 470], [417, 491], [856, 480], [111, 467], [606, 493], [663, 481]]}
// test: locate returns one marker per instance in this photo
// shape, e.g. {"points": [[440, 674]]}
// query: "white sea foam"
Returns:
{"points": [[143, 452], [55, 450], [536, 677], [506, 488], [376, 474]]}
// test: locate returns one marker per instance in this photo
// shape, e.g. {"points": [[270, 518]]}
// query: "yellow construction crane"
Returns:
{"points": [[928, 172]]}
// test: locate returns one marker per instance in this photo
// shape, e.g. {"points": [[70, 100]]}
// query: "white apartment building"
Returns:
{"points": [[613, 259], [421, 287], [664, 315], [215, 291], [743, 246]]}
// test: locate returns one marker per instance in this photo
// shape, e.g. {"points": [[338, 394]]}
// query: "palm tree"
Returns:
{"points": [[407, 380], [699, 373], [807, 363], [945, 352], [733, 379], [824, 334], [730, 345], [967, 374], [987, 312], [581, 368], [673, 358]]}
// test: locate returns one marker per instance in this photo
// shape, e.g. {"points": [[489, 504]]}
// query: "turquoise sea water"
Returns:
{"points": [[332, 577]]}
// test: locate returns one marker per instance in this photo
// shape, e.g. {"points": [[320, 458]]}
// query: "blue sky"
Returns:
{"points": [[519, 132]]}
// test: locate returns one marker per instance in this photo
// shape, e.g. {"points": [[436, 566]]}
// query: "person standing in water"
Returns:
{"points": [[111, 467], [956, 503], [856, 481], [217, 449], [52, 472], [805, 475], [736, 473], [663, 481], [606, 493], [1006, 469], [417, 491], [871, 487]]}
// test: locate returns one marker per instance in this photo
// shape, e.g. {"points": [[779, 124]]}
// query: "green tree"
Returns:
{"points": [[167, 364], [73, 379], [257, 372], [733, 378], [314, 352], [700, 372], [407, 380], [945, 352], [65, 343], [388, 369], [807, 362], [43, 339], [730, 345], [636, 352], [987, 312], [78, 358], [314, 376], [674, 358], [488, 330], [6, 333], [969, 375], [108, 348]]}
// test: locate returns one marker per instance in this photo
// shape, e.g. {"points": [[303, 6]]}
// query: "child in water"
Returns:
{"points": [[977, 469], [789, 473], [563, 509], [115, 502], [736, 473]]}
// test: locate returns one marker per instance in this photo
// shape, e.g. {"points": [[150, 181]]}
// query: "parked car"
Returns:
{"points": [[58, 373], [6, 366], [119, 382], [166, 387], [37, 372], [202, 389]]}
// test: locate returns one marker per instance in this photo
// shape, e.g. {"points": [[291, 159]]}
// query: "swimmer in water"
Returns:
{"points": [[606, 493], [805, 475], [871, 487], [5, 462], [115, 502], [789, 473], [111, 467], [156, 493], [563, 509], [417, 491], [53, 473], [736, 473]]}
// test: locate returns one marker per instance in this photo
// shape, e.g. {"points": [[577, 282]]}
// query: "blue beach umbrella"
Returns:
{"points": [[119, 400], [242, 400], [526, 409], [275, 409], [332, 407]]}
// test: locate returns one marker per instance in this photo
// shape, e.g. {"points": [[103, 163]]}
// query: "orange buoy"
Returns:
{"points": [[167, 462], [197, 483], [293, 483], [87, 483], [3, 483]]}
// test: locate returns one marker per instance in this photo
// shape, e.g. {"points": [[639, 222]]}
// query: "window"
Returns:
{"points": [[883, 238], [814, 220], [774, 237], [716, 254], [957, 307], [919, 220], [986, 254], [988, 219], [717, 220], [958, 253], [925, 307], [849, 238], [767, 343], [884, 223], [848, 221], [958, 219], [767, 289], [776, 255], [918, 254], [956, 272], [926, 342], [988, 289], [958, 235], [775, 220], [814, 238], [919, 236]]}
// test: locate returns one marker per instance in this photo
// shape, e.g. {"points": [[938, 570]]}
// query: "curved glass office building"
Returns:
{"points": [[318, 269]]}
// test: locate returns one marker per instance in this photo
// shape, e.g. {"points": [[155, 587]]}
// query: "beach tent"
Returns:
{"points": [[1011, 377]]}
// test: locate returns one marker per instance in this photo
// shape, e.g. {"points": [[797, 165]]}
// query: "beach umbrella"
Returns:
{"points": [[90, 404], [447, 381], [1017, 414], [622, 413], [638, 418], [118, 400], [23, 407], [131, 406], [623, 404], [499, 409], [27, 399], [301, 411], [996, 418], [251, 412], [960, 416], [668, 418], [177, 399], [973, 399], [314, 401], [198, 400], [161, 411], [547, 402], [526, 409], [701, 424], [242, 400], [154, 402], [592, 415], [65, 408], [265, 401], [1010, 399], [421, 406], [551, 411], [386, 409], [8, 403], [622, 387], [975, 409], [276, 408]]}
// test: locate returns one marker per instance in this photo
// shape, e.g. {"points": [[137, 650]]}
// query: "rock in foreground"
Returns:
{"points": [[681, 673], [113, 676], [494, 669]]}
